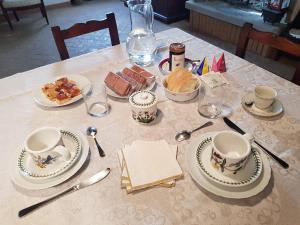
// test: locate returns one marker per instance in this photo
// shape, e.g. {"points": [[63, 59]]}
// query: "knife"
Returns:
{"points": [[276, 158], [92, 180]]}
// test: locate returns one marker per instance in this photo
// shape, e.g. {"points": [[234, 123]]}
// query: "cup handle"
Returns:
{"points": [[249, 137], [65, 153]]}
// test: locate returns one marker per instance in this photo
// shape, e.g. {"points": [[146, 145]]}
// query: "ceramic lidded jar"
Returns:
{"points": [[143, 106]]}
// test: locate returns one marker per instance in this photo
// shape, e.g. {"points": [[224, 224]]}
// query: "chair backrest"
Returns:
{"points": [[83, 28], [270, 39]]}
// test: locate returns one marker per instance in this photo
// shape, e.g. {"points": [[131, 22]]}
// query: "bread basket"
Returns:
{"points": [[181, 96]]}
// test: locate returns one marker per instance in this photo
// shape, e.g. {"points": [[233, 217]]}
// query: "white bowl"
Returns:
{"points": [[181, 96]]}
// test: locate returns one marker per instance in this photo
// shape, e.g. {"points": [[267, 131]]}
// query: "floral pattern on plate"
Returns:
{"points": [[208, 169], [28, 167]]}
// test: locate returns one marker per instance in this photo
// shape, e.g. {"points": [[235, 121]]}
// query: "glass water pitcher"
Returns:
{"points": [[141, 43]]}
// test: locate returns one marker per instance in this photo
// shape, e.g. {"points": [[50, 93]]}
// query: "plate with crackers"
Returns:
{"points": [[130, 79], [62, 91]]}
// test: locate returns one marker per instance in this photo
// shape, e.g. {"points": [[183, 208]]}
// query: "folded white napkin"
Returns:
{"points": [[214, 79], [125, 182], [145, 164]]}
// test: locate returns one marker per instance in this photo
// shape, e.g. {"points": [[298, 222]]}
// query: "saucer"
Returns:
{"points": [[275, 109], [245, 176], [39, 184], [210, 185], [164, 66], [52, 166]]}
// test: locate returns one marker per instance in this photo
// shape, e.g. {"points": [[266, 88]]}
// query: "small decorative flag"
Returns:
{"points": [[214, 66], [203, 68], [221, 64]]}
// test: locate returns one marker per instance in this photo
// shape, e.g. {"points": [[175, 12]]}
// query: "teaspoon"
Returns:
{"points": [[92, 131], [184, 135]]}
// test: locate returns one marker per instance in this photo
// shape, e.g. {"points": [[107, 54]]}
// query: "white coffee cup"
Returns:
{"points": [[230, 151], [264, 96], [46, 142]]}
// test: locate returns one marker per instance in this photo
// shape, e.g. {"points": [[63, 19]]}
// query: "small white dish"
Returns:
{"points": [[38, 184], [164, 66], [228, 192], [274, 110], [115, 95], [245, 176], [81, 81], [181, 96], [51, 165]]}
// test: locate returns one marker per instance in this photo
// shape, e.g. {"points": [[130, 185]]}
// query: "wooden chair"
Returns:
{"points": [[270, 39], [14, 5], [83, 28]]}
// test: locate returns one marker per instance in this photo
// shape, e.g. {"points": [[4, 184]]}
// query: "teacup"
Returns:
{"points": [[264, 96], [230, 151], [45, 145]]}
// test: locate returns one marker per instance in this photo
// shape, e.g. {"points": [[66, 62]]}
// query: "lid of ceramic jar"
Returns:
{"points": [[143, 99]]}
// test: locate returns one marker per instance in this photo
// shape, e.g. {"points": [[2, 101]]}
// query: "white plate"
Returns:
{"points": [[223, 191], [30, 170], [275, 109], [243, 177], [113, 94], [22, 182], [82, 82]]}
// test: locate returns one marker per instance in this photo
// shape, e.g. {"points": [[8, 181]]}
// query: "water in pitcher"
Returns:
{"points": [[141, 46], [141, 43]]}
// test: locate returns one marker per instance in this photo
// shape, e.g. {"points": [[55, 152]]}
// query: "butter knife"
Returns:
{"points": [[239, 130], [92, 180]]}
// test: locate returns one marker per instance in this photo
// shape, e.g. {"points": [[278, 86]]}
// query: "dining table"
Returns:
{"points": [[186, 203]]}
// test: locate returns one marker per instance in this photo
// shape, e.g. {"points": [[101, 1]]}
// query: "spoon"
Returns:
{"points": [[92, 131], [184, 135]]}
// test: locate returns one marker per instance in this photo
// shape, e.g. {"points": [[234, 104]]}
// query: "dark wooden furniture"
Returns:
{"points": [[5, 10], [295, 24], [272, 15], [84, 28], [270, 39], [169, 11]]}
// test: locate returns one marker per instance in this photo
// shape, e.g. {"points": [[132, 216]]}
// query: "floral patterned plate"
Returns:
{"points": [[243, 177], [39, 184], [209, 185], [50, 167]]}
